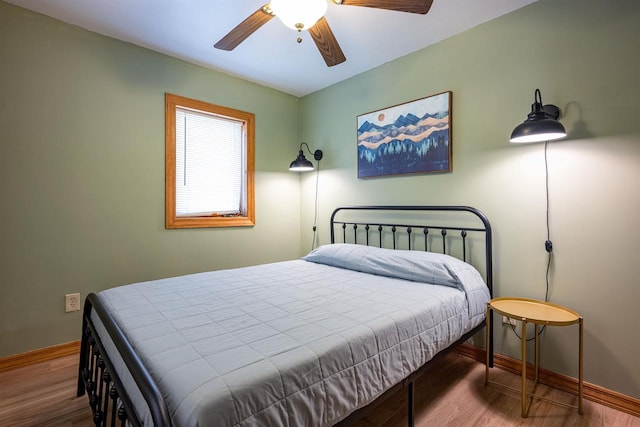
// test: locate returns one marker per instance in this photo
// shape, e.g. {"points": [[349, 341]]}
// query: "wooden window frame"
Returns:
{"points": [[245, 219]]}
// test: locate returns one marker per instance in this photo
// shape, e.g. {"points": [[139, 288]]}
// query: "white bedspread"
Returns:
{"points": [[293, 343]]}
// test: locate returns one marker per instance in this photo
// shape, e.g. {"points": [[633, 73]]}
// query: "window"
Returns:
{"points": [[209, 165]]}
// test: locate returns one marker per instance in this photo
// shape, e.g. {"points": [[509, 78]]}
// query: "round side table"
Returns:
{"points": [[538, 313]]}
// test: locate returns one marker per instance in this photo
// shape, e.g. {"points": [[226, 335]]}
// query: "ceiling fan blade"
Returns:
{"points": [[411, 6], [327, 44], [244, 29]]}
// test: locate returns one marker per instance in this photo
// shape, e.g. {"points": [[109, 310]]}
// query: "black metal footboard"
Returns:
{"points": [[109, 400]]}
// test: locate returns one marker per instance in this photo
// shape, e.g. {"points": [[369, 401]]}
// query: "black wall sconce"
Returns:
{"points": [[541, 125], [301, 164]]}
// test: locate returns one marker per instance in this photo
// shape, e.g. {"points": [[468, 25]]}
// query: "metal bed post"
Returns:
{"points": [[410, 403]]}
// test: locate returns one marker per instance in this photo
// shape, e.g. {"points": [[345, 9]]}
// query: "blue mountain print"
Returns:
{"points": [[399, 140]]}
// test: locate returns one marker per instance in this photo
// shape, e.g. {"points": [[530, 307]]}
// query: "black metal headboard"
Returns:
{"points": [[417, 228]]}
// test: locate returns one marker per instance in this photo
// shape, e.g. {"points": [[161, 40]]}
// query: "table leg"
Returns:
{"points": [[488, 333], [537, 360], [524, 369], [580, 372]]}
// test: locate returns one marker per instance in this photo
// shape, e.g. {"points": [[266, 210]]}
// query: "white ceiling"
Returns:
{"points": [[188, 29]]}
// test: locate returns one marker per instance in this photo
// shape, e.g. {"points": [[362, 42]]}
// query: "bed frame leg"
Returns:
{"points": [[410, 402], [85, 355]]}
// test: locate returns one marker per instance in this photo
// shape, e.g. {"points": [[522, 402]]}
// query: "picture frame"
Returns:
{"points": [[409, 138]]}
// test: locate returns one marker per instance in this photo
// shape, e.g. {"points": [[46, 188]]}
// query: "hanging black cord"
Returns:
{"points": [[315, 208], [547, 244]]}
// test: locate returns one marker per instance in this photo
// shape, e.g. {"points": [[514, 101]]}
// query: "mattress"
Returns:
{"points": [[296, 343]]}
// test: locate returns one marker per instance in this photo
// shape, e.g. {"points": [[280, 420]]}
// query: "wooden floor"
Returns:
{"points": [[450, 393]]}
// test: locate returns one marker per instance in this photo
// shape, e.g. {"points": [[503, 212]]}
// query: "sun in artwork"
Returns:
{"points": [[381, 117]]}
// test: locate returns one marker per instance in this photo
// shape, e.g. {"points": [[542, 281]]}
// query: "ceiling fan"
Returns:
{"points": [[309, 15]]}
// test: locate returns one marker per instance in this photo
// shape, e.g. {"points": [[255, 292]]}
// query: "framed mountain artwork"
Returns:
{"points": [[409, 138]]}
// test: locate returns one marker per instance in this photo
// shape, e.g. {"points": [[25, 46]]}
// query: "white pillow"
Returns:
{"points": [[417, 266]]}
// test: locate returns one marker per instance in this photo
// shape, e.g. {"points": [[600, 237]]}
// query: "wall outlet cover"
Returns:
{"points": [[508, 321], [71, 302]]}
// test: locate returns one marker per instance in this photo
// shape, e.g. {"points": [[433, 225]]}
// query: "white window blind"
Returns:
{"points": [[209, 164]]}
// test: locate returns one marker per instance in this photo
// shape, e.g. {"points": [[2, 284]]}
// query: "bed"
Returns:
{"points": [[316, 341]]}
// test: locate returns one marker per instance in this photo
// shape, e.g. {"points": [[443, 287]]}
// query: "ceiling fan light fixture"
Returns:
{"points": [[299, 14]]}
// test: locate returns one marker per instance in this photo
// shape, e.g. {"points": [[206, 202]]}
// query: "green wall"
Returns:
{"points": [[82, 168], [584, 55], [82, 173]]}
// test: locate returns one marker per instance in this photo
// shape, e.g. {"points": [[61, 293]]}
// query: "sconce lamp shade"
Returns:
{"points": [[541, 124], [301, 164]]}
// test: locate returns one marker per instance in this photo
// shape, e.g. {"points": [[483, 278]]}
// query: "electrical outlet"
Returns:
{"points": [[71, 303], [508, 321]]}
